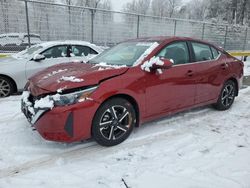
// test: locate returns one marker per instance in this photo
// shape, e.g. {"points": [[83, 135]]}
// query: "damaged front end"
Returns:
{"points": [[27, 106], [34, 107]]}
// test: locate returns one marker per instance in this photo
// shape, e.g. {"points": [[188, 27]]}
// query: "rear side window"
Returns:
{"points": [[178, 52], [202, 52], [82, 50], [215, 53]]}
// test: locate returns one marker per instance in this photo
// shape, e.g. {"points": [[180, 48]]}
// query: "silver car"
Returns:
{"points": [[16, 69]]}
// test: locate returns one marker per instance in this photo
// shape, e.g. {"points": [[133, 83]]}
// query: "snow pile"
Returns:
{"points": [[27, 103], [108, 66], [45, 102], [70, 79], [54, 73], [147, 65], [146, 53], [25, 98]]}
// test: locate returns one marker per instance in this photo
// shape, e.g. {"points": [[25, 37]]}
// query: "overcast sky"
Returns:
{"points": [[118, 4]]}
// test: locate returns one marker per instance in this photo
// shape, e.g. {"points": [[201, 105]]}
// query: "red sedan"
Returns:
{"points": [[132, 83]]}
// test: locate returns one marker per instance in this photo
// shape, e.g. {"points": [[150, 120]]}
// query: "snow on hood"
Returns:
{"points": [[71, 75], [70, 78]]}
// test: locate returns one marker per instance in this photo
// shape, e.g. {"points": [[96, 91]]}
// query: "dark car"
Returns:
{"points": [[15, 42], [134, 82]]}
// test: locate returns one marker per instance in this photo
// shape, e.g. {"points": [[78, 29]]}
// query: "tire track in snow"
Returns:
{"points": [[91, 148]]}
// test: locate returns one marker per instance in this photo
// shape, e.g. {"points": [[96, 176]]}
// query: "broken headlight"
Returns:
{"points": [[74, 97]]}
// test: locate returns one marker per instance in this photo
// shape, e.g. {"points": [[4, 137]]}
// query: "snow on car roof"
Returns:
{"points": [[21, 35], [71, 42]]}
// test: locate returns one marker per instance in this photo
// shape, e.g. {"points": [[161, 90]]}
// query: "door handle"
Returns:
{"points": [[190, 73]]}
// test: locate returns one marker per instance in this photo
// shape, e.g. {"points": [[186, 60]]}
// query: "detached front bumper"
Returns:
{"points": [[63, 124], [29, 114]]}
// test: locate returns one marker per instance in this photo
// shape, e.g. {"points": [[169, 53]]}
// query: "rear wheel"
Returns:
{"points": [[227, 96], [6, 87], [113, 122]]}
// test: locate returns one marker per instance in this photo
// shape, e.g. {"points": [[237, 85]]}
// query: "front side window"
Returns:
{"points": [[55, 52], [177, 52], [202, 52]]}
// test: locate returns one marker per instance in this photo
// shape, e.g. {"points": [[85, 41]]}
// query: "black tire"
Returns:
{"points": [[113, 122], [227, 96], [7, 87]]}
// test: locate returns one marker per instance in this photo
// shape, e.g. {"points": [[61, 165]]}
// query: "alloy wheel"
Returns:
{"points": [[5, 88], [227, 96], [115, 122]]}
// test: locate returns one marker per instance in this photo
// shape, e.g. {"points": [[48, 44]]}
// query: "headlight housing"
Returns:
{"points": [[72, 98]]}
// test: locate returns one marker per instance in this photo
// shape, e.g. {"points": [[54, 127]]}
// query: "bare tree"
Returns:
{"points": [[234, 11], [242, 11], [137, 6], [165, 8], [5, 14]]}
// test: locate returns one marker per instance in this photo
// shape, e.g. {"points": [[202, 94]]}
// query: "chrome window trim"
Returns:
{"points": [[207, 61]]}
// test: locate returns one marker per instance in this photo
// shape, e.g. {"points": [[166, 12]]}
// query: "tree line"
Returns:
{"points": [[216, 11]]}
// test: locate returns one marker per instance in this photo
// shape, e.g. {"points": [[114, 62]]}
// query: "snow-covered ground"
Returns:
{"points": [[198, 148], [247, 67]]}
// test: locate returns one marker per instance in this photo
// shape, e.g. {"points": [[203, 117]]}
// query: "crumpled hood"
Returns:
{"points": [[71, 75]]}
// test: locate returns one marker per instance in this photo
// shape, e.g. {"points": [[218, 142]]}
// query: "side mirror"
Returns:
{"points": [[165, 65], [38, 57]]}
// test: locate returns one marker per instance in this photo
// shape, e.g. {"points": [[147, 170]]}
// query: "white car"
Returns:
{"points": [[16, 69]]}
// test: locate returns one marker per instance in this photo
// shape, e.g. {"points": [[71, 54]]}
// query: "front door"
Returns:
{"points": [[174, 89]]}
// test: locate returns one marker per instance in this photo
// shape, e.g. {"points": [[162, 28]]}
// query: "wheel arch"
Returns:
{"points": [[12, 80], [131, 100], [236, 83]]}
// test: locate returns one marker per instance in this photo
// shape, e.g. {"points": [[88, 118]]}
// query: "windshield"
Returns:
{"points": [[28, 52], [123, 54]]}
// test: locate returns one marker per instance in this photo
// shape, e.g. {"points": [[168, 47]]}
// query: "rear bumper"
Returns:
{"points": [[65, 124]]}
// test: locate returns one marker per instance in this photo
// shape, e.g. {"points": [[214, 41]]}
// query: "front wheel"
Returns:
{"points": [[227, 96], [113, 122]]}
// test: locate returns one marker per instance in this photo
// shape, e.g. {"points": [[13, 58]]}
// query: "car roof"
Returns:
{"points": [[165, 39], [71, 42]]}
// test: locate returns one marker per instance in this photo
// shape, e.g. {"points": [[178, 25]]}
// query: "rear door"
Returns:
{"points": [[82, 53], [210, 70], [175, 88]]}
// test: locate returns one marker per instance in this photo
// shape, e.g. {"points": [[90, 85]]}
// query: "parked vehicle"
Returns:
{"points": [[16, 42], [16, 69], [132, 83]]}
